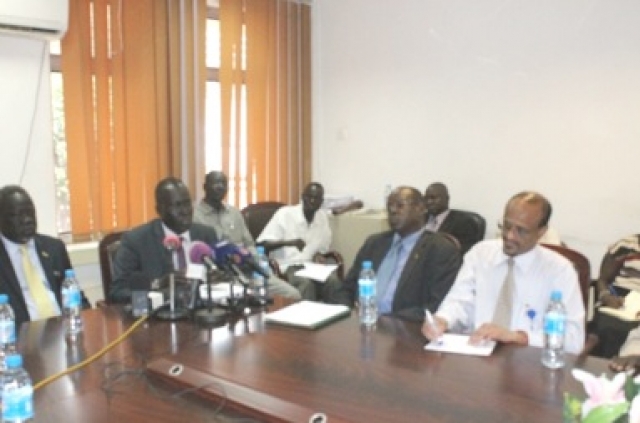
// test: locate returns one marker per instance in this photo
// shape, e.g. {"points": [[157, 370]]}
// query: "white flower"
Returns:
{"points": [[601, 391]]}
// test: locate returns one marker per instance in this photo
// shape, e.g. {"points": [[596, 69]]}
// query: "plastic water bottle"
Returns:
{"points": [[368, 311], [71, 303], [17, 392], [7, 330], [555, 319]]}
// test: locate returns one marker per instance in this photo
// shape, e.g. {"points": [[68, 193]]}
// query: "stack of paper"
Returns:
{"points": [[308, 314], [630, 309], [459, 344]]}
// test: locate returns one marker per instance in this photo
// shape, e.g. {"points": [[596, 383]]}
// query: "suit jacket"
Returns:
{"points": [[463, 227], [54, 260], [142, 257], [427, 276]]}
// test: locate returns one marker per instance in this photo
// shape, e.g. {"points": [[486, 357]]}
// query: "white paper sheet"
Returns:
{"points": [[459, 344], [316, 271]]}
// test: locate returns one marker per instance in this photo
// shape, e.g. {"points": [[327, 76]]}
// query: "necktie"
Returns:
{"points": [[504, 306], [432, 224], [388, 276], [182, 262], [38, 290]]}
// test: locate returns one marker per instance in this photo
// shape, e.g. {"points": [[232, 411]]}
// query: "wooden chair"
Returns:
{"points": [[107, 251], [257, 216], [581, 263]]}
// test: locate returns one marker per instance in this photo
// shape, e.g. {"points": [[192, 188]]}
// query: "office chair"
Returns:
{"points": [[107, 251], [257, 216]]}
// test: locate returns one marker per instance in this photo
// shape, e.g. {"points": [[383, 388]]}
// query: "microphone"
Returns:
{"points": [[202, 253], [227, 254], [171, 242]]}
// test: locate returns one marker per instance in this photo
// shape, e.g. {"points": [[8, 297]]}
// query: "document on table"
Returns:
{"points": [[308, 314], [316, 271], [459, 344], [630, 309]]}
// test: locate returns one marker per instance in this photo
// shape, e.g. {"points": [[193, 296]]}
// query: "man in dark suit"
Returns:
{"points": [[415, 268], [440, 218], [46, 255], [142, 256]]}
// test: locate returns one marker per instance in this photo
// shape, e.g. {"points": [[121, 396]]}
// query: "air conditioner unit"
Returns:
{"points": [[42, 19]]}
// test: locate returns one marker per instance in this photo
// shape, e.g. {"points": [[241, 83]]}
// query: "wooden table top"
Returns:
{"points": [[269, 372]]}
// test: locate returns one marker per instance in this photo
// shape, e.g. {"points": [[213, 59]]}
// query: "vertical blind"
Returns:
{"points": [[134, 77], [265, 48]]}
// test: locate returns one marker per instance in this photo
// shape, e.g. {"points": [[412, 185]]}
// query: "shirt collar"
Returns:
{"points": [[185, 236], [13, 247], [523, 261], [209, 209]]}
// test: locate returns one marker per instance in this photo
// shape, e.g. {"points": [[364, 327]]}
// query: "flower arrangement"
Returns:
{"points": [[608, 401]]}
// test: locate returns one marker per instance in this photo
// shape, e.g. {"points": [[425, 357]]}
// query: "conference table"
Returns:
{"points": [[249, 370]]}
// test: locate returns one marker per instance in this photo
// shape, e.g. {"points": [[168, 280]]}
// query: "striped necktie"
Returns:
{"points": [[38, 290]]}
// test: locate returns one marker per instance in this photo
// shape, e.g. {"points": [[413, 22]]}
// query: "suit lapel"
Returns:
{"points": [[8, 276], [415, 259], [158, 236]]}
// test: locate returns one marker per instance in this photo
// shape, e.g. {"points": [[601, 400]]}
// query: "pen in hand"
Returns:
{"points": [[431, 322]]}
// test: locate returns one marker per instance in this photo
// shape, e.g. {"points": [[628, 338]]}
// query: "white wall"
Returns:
{"points": [[27, 143], [490, 97]]}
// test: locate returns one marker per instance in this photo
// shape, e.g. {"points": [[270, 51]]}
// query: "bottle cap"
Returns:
{"points": [[556, 295], [69, 273], [4, 298], [14, 360], [366, 264], [260, 249]]}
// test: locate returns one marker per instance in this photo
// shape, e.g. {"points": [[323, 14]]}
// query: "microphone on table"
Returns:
{"points": [[172, 243], [229, 254], [203, 254]]}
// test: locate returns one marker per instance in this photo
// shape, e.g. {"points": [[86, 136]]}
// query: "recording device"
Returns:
{"points": [[202, 253], [175, 311], [229, 255]]}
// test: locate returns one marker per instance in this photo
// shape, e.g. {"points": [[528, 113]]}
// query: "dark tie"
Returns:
{"points": [[504, 306], [182, 262], [388, 276]]}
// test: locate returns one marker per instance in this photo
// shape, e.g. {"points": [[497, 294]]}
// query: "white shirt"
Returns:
{"points": [[472, 299], [15, 255], [289, 223]]}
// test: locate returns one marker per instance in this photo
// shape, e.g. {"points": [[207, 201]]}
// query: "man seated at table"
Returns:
{"points": [[297, 234], [440, 218], [415, 268], [504, 285], [32, 265], [142, 256], [230, 226]]}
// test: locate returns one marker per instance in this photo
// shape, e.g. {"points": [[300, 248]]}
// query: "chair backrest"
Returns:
{"points": [[480, 225], [257, 216], [582, 265], [107, 251]]}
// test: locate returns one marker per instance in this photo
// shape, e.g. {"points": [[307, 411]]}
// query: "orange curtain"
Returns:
{"points": [[266, 51], [133, 71]]}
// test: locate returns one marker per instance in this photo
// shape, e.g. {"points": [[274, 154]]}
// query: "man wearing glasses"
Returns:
{"points": [[477, 301]]}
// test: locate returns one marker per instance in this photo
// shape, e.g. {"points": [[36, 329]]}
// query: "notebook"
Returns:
{"points": [[308, 314]]}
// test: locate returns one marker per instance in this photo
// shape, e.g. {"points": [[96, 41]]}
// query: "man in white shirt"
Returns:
{"points": [[295, 235], [476, 298]]}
